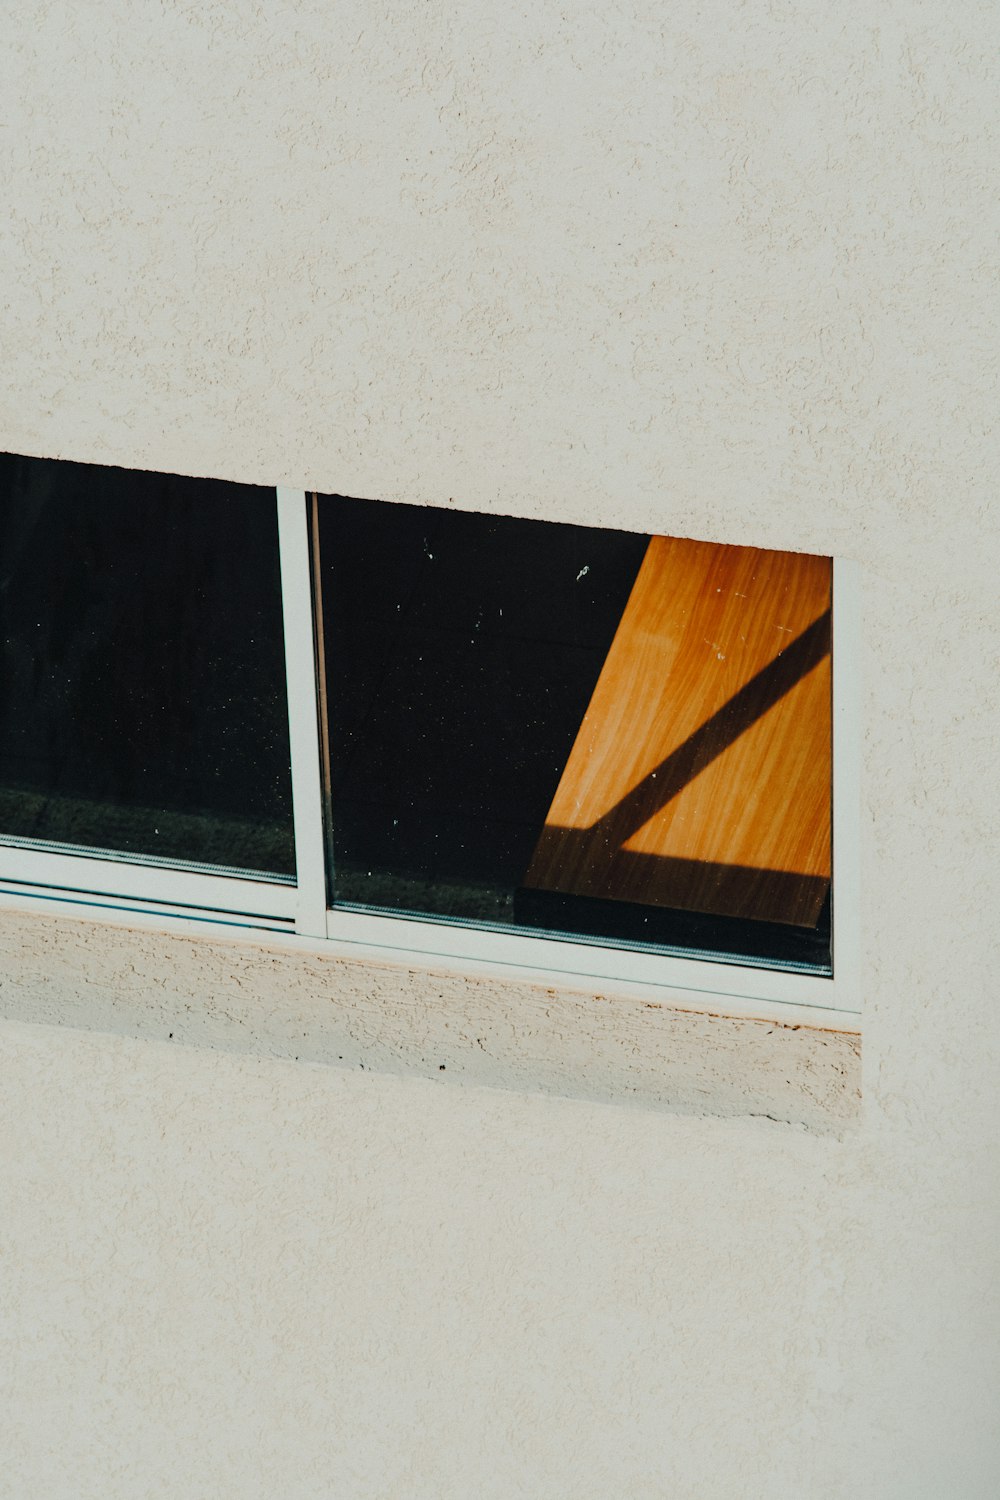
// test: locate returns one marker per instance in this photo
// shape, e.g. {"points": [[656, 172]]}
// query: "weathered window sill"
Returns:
{"points": [[284, 998]]}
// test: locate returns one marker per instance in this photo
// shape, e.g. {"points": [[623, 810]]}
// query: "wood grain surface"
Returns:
{"points": [[700, 778]]}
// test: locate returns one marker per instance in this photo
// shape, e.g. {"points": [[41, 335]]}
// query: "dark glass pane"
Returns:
{"points": [[142, 698], [499, 714]]}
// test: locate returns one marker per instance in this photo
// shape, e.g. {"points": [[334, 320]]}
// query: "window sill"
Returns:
{"points": [[282, 996]]}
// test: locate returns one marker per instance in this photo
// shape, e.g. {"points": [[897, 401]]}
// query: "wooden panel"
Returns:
{"points": [[700, 776]]}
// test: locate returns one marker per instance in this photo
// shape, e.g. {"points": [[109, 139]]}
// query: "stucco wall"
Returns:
{"points": [[718, 270]]}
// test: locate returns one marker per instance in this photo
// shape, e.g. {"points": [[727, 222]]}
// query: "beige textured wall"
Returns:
{"points": [[721, 270]]}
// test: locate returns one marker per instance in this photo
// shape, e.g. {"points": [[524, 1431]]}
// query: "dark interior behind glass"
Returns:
{"points": [[142, 697], [461, 653]]}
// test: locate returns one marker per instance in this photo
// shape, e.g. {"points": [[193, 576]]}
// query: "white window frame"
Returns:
{"points": [[294, 910]]}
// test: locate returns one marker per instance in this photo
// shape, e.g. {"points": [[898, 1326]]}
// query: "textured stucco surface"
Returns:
{"points": [[240, 996], [717, 270]]}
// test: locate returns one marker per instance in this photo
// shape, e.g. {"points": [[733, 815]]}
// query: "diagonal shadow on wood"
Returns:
{"points": [[592, 862], [710, 739]]}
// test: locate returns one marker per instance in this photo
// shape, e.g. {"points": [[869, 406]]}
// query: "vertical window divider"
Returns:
{"points": [[303, 711], [319, 640]]}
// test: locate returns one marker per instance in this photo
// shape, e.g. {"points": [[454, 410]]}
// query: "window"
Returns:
{"points": [[556, 748], [565, 729], [144, 705]]}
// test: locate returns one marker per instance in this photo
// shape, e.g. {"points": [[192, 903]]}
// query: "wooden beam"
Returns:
{"points": [[700, 777]]}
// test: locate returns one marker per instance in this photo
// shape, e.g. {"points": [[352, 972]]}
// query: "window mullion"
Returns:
{"points": [[300, 666]]}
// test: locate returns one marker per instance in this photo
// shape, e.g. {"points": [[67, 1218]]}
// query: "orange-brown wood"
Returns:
{"points": [[701, 774]]}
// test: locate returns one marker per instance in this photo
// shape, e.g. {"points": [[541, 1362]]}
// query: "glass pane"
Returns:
{"points": [[142, 698], [578, 731]]}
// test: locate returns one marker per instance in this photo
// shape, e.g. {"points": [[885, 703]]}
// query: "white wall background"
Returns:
{"points": [[720, 270]]}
